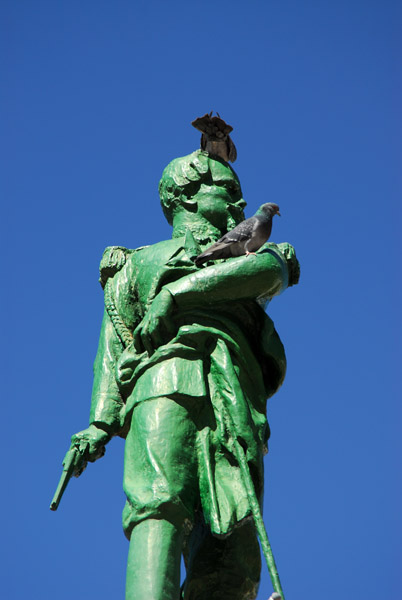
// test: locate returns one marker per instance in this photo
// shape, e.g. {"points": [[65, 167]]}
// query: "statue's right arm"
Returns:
{"points": [[106, 402]]}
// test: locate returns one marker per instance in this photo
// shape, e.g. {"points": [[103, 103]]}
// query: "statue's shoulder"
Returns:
{"points": [[116, 257], [159, 253], [113, 260], [165, 246]]}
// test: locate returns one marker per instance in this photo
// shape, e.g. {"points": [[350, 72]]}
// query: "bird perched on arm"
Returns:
{"points": [[246, 238], [215, 137]]}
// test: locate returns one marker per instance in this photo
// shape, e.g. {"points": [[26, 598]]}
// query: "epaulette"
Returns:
{"points": [[113, 259]]}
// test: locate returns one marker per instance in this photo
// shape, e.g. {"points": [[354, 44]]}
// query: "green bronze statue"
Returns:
{"points": [[187, 358]]}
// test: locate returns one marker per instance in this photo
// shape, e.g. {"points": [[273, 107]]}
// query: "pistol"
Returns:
{"points": [[68, 470]]}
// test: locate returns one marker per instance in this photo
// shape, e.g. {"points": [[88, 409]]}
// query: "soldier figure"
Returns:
{"points": [[180, 348]]}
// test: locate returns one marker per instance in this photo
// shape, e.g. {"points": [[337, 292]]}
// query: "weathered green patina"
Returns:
{"points": [[187, 358]]}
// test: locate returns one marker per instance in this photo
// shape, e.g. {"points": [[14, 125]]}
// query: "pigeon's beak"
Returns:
{"points": [[278, 213]]}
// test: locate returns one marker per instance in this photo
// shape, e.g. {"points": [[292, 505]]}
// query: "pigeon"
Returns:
{"points": [[215, 137], [245, 238]]}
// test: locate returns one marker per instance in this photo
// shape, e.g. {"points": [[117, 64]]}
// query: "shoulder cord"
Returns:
{"points": [[123, 333]]}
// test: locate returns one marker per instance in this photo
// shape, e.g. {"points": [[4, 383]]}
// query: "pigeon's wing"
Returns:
{"points": [[232, 152], [221, 125], [241, 233], [224, 247], [203, 124], [217, 250], [212, 126]]}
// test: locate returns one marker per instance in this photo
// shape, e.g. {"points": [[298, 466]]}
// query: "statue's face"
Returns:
{"points": [[221, 201]]}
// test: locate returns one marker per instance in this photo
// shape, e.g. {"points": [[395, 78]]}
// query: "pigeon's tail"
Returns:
{"points": [[200, 260], [218, 250]]}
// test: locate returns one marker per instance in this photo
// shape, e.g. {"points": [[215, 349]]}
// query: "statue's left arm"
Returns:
{"points": [[266, 274]]}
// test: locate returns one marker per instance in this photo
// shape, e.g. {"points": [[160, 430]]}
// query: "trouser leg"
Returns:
{"points": [[222, 568], [161, 484], [153, 567]]}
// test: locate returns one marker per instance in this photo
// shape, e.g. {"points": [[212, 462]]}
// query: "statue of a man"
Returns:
{"points": [[180, 348]]}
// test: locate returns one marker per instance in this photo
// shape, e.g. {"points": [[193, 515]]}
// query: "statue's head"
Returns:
{"points": [[203, 185]]}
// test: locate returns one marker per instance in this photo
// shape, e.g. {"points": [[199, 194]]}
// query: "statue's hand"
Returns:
{"points": [[293, 264], [90, 444], [156, 327]]}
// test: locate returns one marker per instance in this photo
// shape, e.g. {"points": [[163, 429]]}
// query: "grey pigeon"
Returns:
{"points": [[245, 238], [215, 137]]}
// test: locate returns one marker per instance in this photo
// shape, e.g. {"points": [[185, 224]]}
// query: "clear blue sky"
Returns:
{"points": [[97, 97]]}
